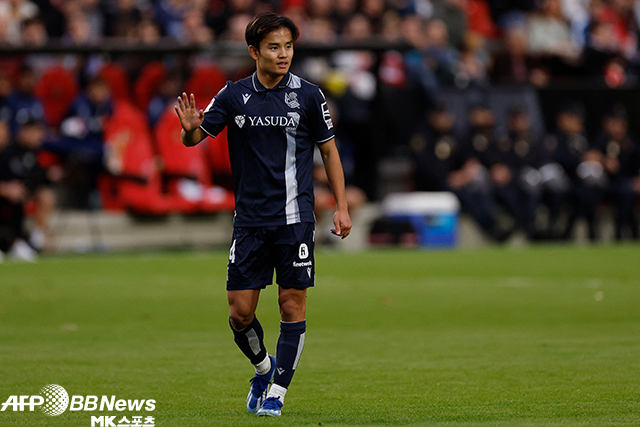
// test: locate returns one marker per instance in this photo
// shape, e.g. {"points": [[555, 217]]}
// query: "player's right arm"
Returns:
{"points": [[190, 119]]}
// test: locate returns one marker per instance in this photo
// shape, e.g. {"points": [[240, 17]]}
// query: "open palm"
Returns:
{"points": [[190, 117]]}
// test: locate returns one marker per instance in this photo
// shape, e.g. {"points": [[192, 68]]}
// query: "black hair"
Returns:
{"points": [[264, 23], [31, 122]]}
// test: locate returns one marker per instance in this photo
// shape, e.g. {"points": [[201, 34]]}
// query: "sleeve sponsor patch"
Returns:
{"points": [[326, 115]]}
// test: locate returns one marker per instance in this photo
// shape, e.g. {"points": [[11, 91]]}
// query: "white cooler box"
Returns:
{"points": [[434, 215]]}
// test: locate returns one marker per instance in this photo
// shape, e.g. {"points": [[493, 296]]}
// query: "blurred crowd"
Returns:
{"points": [[544, 183], [66, 120], [455, 41]]}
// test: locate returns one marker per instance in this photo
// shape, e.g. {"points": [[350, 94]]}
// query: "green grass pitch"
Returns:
{"points": [[545, 336]]}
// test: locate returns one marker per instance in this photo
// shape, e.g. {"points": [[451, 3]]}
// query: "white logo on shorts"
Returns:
{"points": [[303, 251]]}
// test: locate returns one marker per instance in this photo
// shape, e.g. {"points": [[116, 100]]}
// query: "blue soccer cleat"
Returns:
{"points": [[271, 407], [259, 387]]}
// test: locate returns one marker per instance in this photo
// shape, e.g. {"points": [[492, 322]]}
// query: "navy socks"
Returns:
{"points": [[288, 351], [251, 341]]}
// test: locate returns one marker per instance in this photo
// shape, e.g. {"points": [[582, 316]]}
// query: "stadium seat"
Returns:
{"points": [[133, 182], [216, 151], [118, 81], [205, 82], [147, 83], [56, 89], [185, 171]]}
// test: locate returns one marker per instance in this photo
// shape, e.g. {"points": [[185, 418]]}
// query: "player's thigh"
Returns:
{"points": [[250, 265], [293, 256]]}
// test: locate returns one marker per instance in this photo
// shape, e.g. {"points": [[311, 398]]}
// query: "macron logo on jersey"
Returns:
{"points": [[245, 97]]}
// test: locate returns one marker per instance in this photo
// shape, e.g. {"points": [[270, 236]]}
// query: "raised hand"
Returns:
{"points": [[190, 117]]}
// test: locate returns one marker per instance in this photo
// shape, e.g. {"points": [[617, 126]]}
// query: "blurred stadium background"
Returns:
{"points": [[102, 77], [461, 124]]}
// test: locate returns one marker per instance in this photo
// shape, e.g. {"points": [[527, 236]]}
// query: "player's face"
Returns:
{"points": [[274, 57]]}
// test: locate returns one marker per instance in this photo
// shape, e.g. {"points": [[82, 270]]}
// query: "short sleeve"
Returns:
{"points": [[215, 115], [320, 118]]}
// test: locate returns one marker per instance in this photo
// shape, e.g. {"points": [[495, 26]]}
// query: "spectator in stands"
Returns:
{"points": [[81, 142], [195, 30], [507, 13], [374, 11], [219, 14], [602, 50], [452, 14], [320, 30], [93, 13], [21, 180], [471, 71], [236, 26], [23, 102], [5, 135], [420, 71], [358, 28], [491, 176], [435, 150], [391, 30], [522, 152], [439, 55], [169, 15], [121, 16], [344, 10], [620, 16], [355, 105], [322, 9], [148, 32], [582, 162], [441, 163], [479, 19], [514, 64], [6, 112], [168, 91], [550, 34], [13, 13], [33, 33], [621, 161], [78, 30], [577, 13], [4, 31]]}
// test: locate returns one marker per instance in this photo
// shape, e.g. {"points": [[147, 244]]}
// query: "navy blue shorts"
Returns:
{"points": [[257, 251]]}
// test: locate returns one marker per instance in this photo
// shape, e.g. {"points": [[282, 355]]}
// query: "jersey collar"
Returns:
{"points": [[258, 87]]}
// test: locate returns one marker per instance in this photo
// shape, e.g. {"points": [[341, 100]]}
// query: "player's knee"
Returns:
{"points": [[292, 309], [240, 318]]}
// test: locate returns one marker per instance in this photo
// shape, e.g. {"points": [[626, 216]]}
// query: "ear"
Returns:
{"points": [[254, 52]]}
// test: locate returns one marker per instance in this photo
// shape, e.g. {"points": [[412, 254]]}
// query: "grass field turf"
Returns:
{"points": [[536, 337]]}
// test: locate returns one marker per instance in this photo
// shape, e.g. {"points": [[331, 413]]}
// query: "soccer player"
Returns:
{"points": [[274, 121]]}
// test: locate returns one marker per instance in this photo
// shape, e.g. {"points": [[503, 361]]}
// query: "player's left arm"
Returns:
{"points": [[335, 174]]}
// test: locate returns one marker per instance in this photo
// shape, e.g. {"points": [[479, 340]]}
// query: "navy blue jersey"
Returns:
{"points": [[272, 134]]}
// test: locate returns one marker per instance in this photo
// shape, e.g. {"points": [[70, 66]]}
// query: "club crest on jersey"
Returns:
{"points": [[291, 99], [240, 121]]}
